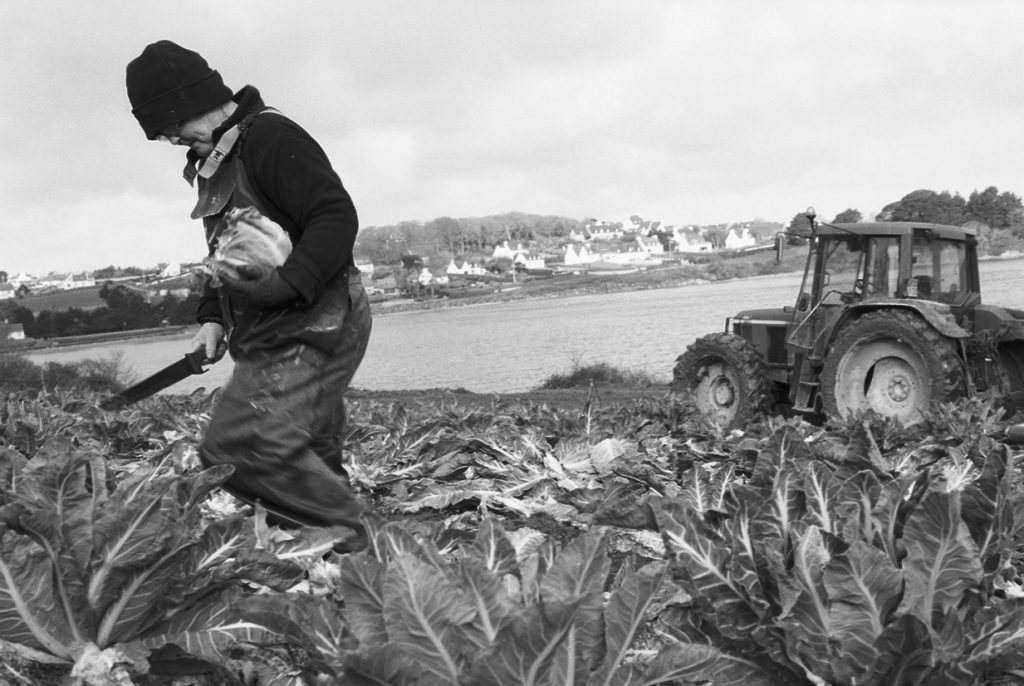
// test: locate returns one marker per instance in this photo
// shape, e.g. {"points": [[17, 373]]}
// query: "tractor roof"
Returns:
{"points": [[893, 229]]}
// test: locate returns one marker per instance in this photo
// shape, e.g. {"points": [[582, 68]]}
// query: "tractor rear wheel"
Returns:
{"points": [[892, 362], [725, 377]]}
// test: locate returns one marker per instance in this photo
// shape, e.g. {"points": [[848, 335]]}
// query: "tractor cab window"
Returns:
{"points": [[841, 270], [882, 267], [834, 277], [937, 270]]}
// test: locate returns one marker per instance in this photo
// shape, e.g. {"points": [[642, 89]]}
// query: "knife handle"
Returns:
{"points": [[196, 360]]}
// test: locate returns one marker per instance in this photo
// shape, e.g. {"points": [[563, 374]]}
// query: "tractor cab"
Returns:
{"points": [[864, 266], [928, 270]]}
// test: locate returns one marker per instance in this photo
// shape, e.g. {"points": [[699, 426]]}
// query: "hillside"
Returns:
{"points": [[80, 298]]}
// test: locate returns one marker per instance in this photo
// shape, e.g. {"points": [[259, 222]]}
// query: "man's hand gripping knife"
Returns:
{"points": [[210, 338]]}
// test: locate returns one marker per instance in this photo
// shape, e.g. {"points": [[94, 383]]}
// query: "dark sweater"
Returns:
{"points": [[301, 192]]}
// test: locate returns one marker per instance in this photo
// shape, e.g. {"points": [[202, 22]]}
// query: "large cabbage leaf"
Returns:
{"points": [[427, 616], [83, 563], [362, 586], [863, 587], [580, 571], [701, 663], [215, 625], [987, 509], [527, 647], [942, 559], [707, 564], [489, 595], [625, 617]]}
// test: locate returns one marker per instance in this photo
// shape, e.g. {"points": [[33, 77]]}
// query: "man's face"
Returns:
{"points": [[196, 133]]}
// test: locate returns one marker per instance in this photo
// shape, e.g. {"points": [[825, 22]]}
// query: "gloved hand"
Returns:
{"points": [[210, 338], [262, 285]]}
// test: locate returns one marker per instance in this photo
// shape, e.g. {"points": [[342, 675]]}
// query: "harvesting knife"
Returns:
{"points": [[191, 364]]}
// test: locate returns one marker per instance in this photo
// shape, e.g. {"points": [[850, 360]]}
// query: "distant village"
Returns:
{"points": [[167, 278], [36, 291], [600, 247]]}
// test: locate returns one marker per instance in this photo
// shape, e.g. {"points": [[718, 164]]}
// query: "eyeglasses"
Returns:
{"points": [[172, 131]]}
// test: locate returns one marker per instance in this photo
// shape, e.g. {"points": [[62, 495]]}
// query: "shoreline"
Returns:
{"points": [[537, 290]]}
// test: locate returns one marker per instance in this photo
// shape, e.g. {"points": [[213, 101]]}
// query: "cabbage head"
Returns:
{"points": [[248, 239]]}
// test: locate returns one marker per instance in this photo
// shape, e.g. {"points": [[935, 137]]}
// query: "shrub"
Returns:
{"points": [[105, 375], [600, 373], [18, 373]]}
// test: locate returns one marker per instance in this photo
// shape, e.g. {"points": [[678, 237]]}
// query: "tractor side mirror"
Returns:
{"points": [[802, 302]]}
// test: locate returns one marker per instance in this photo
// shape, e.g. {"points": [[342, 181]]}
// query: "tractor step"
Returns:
{"points": [[807, 383], [806, 394]]}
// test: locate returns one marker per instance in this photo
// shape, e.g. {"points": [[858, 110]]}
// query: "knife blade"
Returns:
{"points": [[191, 363]]}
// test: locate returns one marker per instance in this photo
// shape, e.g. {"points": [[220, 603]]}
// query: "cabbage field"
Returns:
{"points": [[606, 541]]}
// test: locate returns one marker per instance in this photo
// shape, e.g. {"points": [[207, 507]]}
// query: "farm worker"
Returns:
{"points": [[298, 332]]}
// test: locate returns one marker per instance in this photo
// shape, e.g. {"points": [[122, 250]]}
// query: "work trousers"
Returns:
{"points": [[280, 423]]}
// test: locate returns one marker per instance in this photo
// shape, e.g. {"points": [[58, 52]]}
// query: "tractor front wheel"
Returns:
{"points": [[892, 362], [725, 377]]}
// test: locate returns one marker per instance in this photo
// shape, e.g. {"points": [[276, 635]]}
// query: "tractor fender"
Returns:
{"points": [[937, 315]]}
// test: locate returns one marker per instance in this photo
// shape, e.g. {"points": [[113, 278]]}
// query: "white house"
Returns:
{"points": [[465, 269], [172, 269], [21, 278], [504, 251], [604, 231], [650, 245], [576, 255], [529, 262], [739, 238], [365, 268], [690, 240], [7, 291], [12, 332], [69, 280]]}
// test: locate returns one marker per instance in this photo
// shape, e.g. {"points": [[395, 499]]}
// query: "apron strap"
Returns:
{"points": [[224, 145], [208, 167]]}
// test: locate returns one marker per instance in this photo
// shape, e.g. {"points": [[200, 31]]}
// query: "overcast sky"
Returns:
{"points": [[682, 111]]}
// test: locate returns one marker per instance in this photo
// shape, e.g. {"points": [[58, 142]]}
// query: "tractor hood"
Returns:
{"points": [[778, 315]]}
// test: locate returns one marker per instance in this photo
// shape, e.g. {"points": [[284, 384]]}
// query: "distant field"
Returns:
{"points": [[80, 298]]}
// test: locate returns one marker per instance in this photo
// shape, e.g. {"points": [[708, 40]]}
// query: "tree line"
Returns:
{"points": [[997, 216], [443, 238], [123, 310]]}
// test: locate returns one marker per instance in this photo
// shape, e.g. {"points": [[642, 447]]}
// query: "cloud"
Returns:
{"points": [[688, 112]]}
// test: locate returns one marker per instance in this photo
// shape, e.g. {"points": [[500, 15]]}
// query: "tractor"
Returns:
{"points": [[888, 319]]}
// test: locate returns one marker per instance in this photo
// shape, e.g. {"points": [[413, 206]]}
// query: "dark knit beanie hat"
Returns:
{"points": [[168, 85]]}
